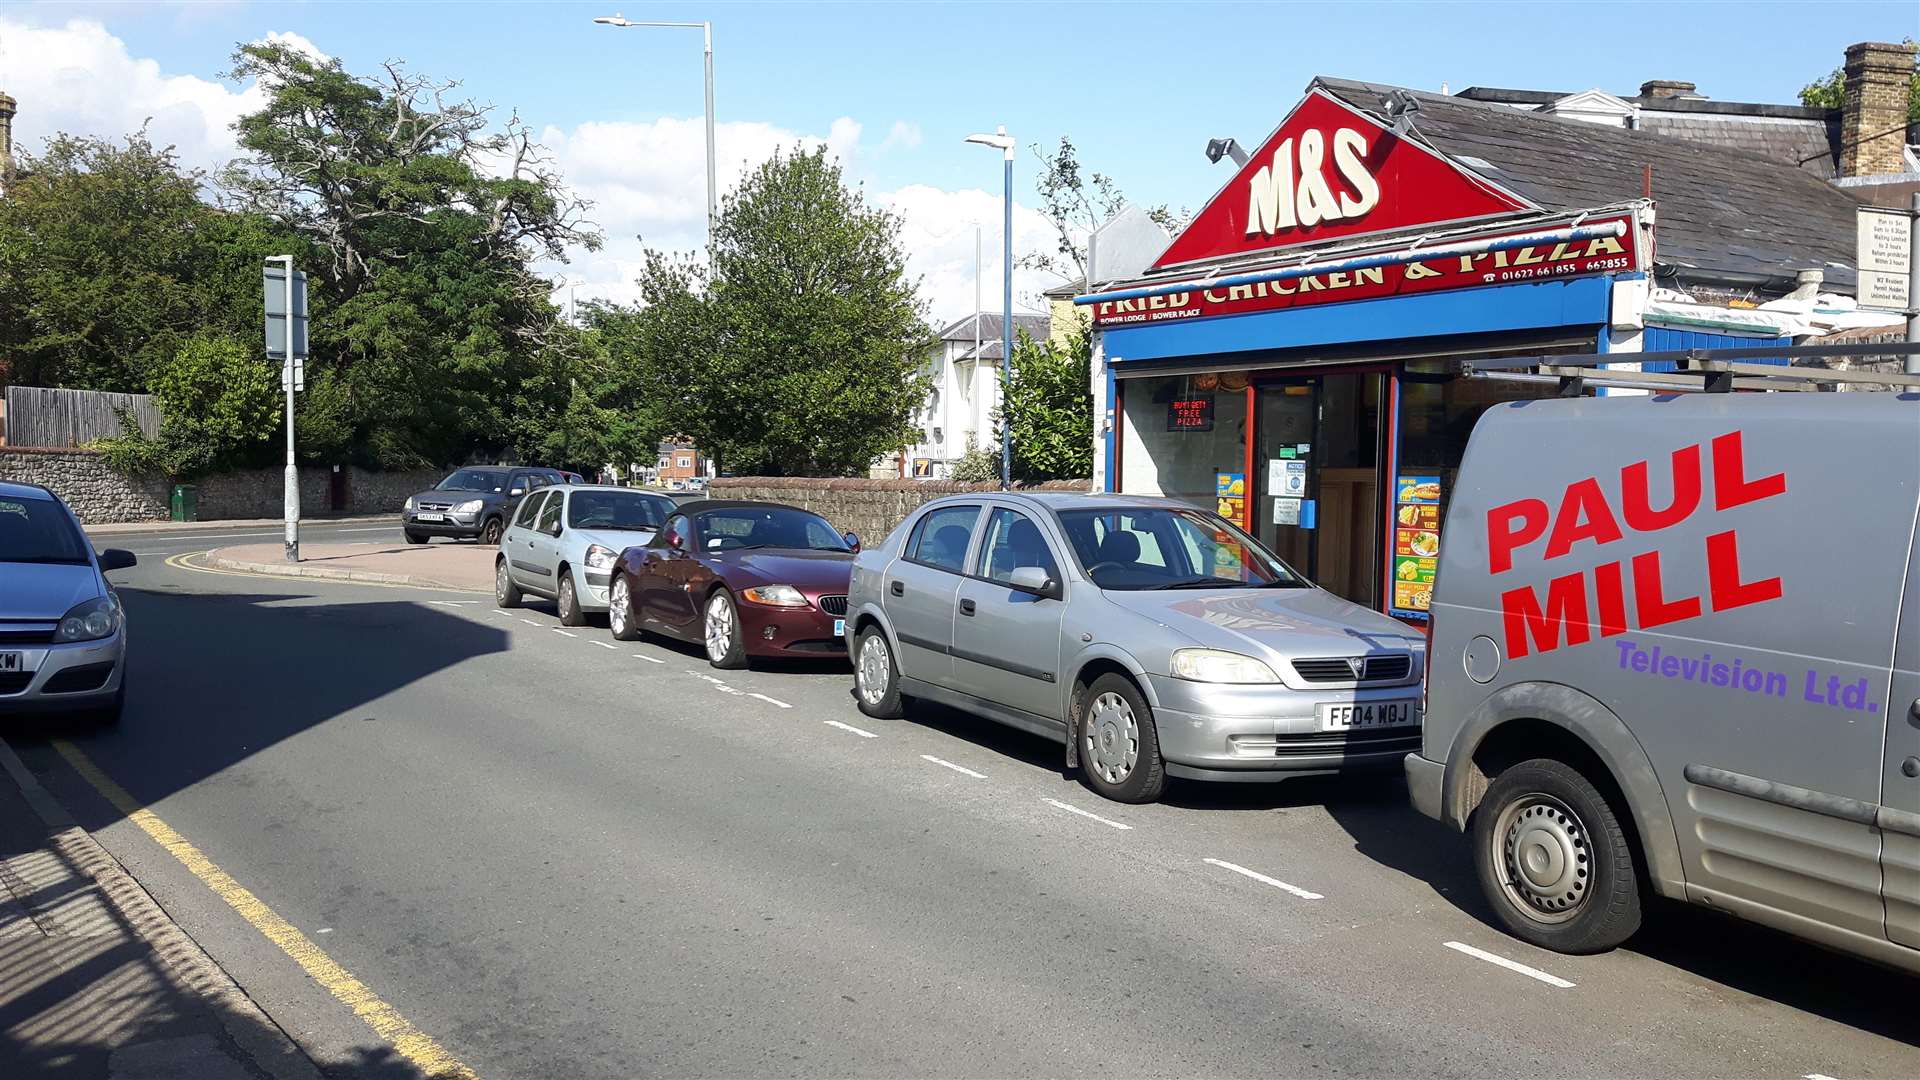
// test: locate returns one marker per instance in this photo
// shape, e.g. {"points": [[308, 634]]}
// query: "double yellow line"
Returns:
{"points": [[410, 1042]]}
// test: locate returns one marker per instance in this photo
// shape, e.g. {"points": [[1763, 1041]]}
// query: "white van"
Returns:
{"points": [[1676, 651]]}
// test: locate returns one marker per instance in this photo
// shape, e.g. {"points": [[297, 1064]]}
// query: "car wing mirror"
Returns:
{"points": [[1035, 581], [673, 540], [853, 540], [117, 559]]}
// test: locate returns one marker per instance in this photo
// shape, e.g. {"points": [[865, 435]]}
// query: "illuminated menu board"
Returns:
{"points": [[1190, 414]]}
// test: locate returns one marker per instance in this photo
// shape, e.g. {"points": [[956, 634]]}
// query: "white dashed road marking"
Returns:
{"points": [[1071, 809], [531, 622], [850, 727], [945, 764], [501, 613], [1257, 876], [606, 645], [648, 659], [771, 701], [454, 603], [564, 633], [1501, 961]]}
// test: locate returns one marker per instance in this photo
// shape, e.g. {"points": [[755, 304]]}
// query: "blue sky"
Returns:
{"points": [[1139, 86]]}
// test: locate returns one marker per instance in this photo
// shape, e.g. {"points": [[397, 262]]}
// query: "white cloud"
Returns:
{"points": [[902, 135]]}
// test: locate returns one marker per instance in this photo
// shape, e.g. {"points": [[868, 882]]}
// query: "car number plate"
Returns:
{"points": [[12, 661], [429, 517], [839, 628], [1346, 716]]}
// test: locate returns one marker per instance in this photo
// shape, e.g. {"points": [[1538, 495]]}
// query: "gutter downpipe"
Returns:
{"points": [[1611, 229]]}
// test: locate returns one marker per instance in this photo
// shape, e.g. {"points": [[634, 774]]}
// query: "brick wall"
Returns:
{"points": [[1873, 117], [99, 495], [869, 507]]}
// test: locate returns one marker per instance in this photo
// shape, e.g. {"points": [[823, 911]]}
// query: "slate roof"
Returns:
{"points": [[1726, 217], [1036, 326]]}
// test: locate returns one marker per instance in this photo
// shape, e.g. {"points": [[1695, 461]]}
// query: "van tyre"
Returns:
{"points": [[876, 677], [505, 593], [1554, 861], [569, 602], [1119, 747]]}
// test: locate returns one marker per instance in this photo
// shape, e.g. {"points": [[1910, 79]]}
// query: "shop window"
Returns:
{"points": [[1184, 437]]}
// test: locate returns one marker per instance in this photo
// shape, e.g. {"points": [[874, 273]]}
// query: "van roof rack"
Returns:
{"points": [[1712, 371]]}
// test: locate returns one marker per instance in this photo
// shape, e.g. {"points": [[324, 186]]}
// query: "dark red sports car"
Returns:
{"points": [[742, 578]]}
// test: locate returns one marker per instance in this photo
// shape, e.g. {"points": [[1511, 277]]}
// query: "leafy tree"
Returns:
{"points": [[792, 352], [110, 260], [1077, 201], [977, 464], [1050, 407], [434, 338], [219, 404], [1831, 92]]}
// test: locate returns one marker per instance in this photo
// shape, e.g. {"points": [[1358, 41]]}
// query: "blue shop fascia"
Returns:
{"points": [[1292, 358]]}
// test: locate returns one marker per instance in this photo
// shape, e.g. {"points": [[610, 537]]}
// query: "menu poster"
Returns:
{"points": [[1416, 542], [1230, 493]]}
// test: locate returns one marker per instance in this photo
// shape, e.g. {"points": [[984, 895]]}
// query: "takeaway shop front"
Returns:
{"points": [[1293, 358]]}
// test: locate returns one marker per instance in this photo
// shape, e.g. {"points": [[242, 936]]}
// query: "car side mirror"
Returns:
{"points": [[853, 540], [1035, 581], [557, 529], [673, 540], [117, 559], [514, 493]]}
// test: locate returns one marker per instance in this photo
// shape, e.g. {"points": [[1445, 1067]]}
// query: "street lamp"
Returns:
{"points": [[1003, 142], [706, 28]]}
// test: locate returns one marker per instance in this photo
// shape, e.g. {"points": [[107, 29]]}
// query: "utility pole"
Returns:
{"points": [[1913, 284], [292, 346]]}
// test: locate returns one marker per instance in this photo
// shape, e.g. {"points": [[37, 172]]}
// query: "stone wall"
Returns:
{"points": [[869, 507], [99, 495]]}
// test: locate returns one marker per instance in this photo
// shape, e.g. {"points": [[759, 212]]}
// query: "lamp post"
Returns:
{"points": [[706, 29], [1003, 142]]}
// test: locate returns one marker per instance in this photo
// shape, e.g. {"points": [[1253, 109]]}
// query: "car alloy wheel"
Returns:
{"points": [[1112, 740], [719, 628], [1545, 866], [490, 533], [874, 674], [505, 593], [620, 610]]}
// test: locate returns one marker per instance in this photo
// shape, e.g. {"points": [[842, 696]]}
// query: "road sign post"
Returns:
{"points": [[1889, 263], [285, 293]]}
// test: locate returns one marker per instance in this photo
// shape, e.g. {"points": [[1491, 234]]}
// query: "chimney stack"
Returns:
{"points": [[8, 107], [1668, 88], [1873, 115]]}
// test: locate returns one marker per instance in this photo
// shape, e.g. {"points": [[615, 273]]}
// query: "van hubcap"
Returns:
{"points": [[1546, 865], [1113, 738], [719, 627], [873, 669]]}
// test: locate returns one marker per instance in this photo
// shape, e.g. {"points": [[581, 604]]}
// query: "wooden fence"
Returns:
{"points": [[39, 416]]}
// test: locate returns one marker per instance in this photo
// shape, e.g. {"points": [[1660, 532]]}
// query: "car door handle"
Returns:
{"points": [[897, 589], [966, 607]]}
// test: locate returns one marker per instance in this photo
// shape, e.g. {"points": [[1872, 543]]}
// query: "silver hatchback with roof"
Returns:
{"points": [[1151, 637], [63, 636]]}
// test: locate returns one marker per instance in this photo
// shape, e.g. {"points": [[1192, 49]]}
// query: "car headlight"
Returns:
{"points": [[1218, 666], [599, 558], [90, 620], [408, 505], [471, 506], [776, 596]]}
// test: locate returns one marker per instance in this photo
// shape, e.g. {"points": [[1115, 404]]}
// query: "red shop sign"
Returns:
{"points": [[1535, 262], [1332, 172]]}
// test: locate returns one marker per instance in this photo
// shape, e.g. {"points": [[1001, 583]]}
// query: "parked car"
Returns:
{"points": [[473, 503], [564, 540], [63, 637], [745, 579], [1679, 654], [1154, 639]]}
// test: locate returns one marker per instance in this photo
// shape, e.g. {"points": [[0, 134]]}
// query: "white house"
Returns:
{"points": [[964, 362]]}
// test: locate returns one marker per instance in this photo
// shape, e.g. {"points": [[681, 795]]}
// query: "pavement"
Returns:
{"points": [[119, 528], [467, 567], [428, 837]]}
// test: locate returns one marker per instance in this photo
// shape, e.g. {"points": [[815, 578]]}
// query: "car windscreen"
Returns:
{"points": [[738, 528], [492, 480], [1169, 548], [625, 510], [39, 531]]}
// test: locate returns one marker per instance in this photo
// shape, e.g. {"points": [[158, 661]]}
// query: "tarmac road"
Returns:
{"points": [[557, 855]]}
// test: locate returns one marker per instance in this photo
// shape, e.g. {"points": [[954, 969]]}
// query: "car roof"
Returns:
{"points": [[1071, 500], [14, 490], [608, 487], [701, 506]]}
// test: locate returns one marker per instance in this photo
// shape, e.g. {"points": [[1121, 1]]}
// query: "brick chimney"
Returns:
{"points": [[1668, 88], [1873, 115], [8, 107]]}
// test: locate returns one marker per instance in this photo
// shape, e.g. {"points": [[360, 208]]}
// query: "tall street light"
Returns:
{"points": [[1003, 142], [706, 28]]}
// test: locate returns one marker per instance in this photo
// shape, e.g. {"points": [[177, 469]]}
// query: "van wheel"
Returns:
{"points": [[1554, 861], [876, 677], [1119, 747]]}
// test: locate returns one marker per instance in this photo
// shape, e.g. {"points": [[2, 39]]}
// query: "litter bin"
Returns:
{"points": [[185, 503]]}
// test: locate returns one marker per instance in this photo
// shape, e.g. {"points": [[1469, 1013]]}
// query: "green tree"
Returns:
{"points": [[220, 403], [1049, 407], [434, 336], [1831, 92], [1076, 201], [110, 260], [791, 353]]}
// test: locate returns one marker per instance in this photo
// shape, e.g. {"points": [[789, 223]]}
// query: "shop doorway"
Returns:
{"points": [[1318, 448]]}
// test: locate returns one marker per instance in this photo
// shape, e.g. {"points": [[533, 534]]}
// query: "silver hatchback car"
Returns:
{"points": [[1154, 639], [63, 637]]}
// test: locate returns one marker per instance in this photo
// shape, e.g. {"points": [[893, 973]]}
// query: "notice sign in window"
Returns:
{"points": [[1190, 414]]}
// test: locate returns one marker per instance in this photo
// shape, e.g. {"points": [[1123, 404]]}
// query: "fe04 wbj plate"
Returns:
{"points": [[1352, 715], [13, 661]]}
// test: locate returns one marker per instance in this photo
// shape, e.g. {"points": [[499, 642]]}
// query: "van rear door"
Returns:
{"points": [[1900, 809]]}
